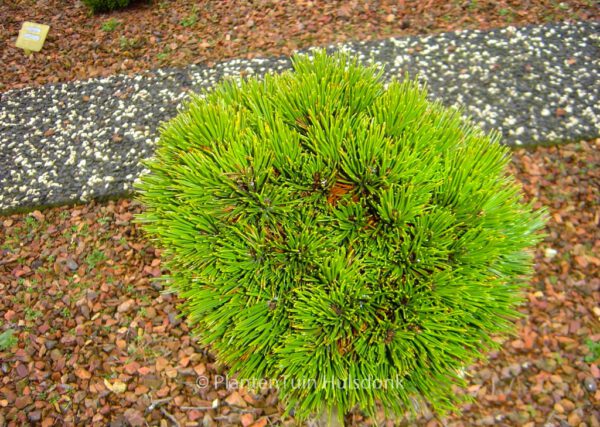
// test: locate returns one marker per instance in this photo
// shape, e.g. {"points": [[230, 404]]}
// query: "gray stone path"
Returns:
{"points": [[76, 141]]}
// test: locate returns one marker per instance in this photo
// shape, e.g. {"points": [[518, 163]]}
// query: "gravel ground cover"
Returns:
{"points": [[73, 142], [88, 338]]}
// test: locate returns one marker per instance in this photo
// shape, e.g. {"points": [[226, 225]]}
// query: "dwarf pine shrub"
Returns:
{"points": [[97, 6], [356, 244]]}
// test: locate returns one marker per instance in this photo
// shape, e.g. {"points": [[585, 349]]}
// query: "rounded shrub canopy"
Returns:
{"points": [[106, 5], [354, 243]]}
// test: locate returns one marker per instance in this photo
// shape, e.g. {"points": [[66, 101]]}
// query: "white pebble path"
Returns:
{"points": [[76, 141]]}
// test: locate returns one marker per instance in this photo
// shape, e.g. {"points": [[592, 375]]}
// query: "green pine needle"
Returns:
{"points": [[357, 244]]}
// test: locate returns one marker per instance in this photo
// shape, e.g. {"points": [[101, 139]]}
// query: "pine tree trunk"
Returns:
{"points": [[330, 418]]}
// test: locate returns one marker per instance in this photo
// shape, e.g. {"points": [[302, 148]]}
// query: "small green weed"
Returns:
{"points": [[110, 25], [162, 56], [31, 224], [104, 220], [7, 340], [473, 5], [508, 14], [594, 347], [31, 314], [96, 257], [126, 43], [191, 19]]}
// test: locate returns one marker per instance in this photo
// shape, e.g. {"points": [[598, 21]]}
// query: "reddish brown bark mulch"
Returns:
{"points": [[160, 33], [96, 343]]}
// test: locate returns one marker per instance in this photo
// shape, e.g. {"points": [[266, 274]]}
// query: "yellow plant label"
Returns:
{"points": [[32, 36]]}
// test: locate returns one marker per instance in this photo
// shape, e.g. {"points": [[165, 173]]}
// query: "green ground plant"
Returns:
{"points": [[191, 19], [110, 25], [594, 350], [7, 340], [94, 258], [355, 243], [98, 6]]}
